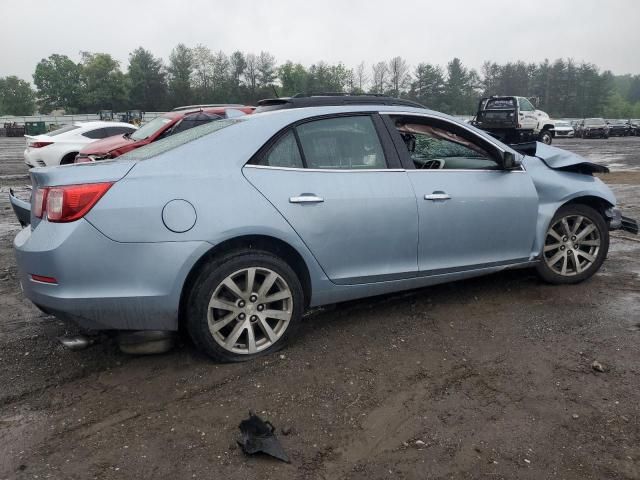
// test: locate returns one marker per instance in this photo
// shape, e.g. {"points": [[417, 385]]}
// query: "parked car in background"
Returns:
{"points": [[61, 146], [619, 128], [634, 126], [160, 127], [563, 128], [593, 128], [233, 229]]}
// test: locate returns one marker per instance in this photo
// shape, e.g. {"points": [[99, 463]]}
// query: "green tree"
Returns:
{"points": [[180, 71], [428, 85], [104, 86], [57, 79], [293, 78], [147, 80], [16, 97], [459, 94], [399, 78], [266, 70]]}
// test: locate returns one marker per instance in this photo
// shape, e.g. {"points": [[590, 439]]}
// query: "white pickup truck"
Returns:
{"points": [[514, 120]]}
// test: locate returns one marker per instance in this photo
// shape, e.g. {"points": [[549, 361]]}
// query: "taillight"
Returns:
{"points": [[71, 202], [39, 144], [39, 199]]}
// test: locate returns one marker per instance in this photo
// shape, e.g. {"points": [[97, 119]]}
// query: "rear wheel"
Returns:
{"points": [[546, 137], [575, 246], [244, 305]]}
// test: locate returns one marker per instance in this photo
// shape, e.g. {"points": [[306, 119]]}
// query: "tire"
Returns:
{"points": [[605, 137], [560, 248], [245, 329], [545, 137]]}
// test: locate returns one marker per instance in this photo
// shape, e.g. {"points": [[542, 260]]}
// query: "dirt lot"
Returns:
{"points": [[482, 379]]}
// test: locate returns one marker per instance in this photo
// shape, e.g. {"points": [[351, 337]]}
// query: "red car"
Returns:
{"points": [[178, 120]]}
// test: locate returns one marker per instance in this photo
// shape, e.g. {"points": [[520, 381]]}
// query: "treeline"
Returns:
{"points": [[563, 88]]}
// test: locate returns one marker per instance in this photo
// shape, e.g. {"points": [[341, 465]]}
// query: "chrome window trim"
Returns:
{"points": [[356, 170], [334, 170]]}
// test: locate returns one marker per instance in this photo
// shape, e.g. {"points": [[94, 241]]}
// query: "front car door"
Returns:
{"points": [[472, 213], [527, 114], [340, 186]]}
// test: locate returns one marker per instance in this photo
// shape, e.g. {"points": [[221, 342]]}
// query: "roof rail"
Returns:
{"points": [[302, 100], [208, 105]]}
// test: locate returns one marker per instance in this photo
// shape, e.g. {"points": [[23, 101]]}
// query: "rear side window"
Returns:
{"points": [[341, 143], [284, 153], [95, 134]]}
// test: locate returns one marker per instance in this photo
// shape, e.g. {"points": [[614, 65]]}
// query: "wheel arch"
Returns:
{"points": [[600, 204], [266, 243], [69, 157]]}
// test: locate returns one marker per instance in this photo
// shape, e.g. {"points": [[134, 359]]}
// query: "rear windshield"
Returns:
{"points": [[64, 129], [150, 128], [174, 141], [500, 103]]}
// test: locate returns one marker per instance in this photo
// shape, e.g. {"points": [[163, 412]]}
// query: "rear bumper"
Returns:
{"points": [[102, 284]]}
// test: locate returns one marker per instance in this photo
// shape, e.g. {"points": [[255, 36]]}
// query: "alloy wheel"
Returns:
{"points": [[250, 310], [571, 245]]}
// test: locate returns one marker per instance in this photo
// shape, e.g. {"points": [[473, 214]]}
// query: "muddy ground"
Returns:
{"points": [[483, 379]]}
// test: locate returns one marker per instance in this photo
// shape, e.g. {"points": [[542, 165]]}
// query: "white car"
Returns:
{"points": [[564, 129], [61, 146]]}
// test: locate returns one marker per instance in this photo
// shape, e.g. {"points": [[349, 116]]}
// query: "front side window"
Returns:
{"points": [[434, 146], [525, 105], [341, 143]]}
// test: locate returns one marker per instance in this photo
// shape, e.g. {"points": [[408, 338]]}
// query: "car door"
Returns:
{"points": [[472, 212], [527, 114], [341, 189]]}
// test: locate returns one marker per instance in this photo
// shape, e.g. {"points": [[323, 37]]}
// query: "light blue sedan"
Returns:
{"points": [[235, 228]]}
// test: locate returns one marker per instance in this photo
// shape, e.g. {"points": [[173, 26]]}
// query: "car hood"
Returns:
{"points": [[106, 145], [559, 159]]}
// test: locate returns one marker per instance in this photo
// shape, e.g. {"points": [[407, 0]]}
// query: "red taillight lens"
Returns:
{"points": [[43, 279], [39, 144], [71, 202], [39, 199]]}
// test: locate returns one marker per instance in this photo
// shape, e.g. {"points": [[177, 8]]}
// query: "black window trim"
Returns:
{"points": [[392, 160], [406, 158]]}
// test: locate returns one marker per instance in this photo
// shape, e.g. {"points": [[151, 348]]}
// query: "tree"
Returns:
{"points": [[16, 97], [147, 79], [399, 78], [293, 78], [361, 77], [428, 85], [57, 79], [103, 83], [379, 77], [251, 74], [459, 96], [180, 71], [202, 73], [266, 69]]}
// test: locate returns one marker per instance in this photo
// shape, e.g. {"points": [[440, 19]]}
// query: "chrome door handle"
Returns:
{"points": [[437, 196], [306, 198]]}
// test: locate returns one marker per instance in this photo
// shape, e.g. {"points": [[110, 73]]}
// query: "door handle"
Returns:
{"points": [[437, 196], [306, 198]]}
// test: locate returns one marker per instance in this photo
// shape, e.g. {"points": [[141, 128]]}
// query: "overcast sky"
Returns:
{"points": [[606, 33]]}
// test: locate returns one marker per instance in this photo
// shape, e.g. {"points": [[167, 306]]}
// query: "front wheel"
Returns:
{"points": [[575, 245], [546, 137], [244, 305]]}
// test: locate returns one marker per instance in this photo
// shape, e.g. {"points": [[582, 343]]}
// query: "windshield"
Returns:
{"points": [[150, 128], [562, 124], [65, 129], [594, 121]]}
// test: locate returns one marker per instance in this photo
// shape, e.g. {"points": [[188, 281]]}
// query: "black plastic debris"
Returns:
{"points": [[258, 437]]}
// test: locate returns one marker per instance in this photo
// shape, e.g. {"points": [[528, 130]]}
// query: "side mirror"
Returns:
{"points": [[509, 161]]}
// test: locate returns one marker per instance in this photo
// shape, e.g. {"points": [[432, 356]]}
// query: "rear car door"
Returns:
{"points": [[472, 213], [340, 186]]}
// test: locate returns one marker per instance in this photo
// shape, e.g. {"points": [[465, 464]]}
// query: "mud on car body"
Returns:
{"points": [[235, 228]]}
